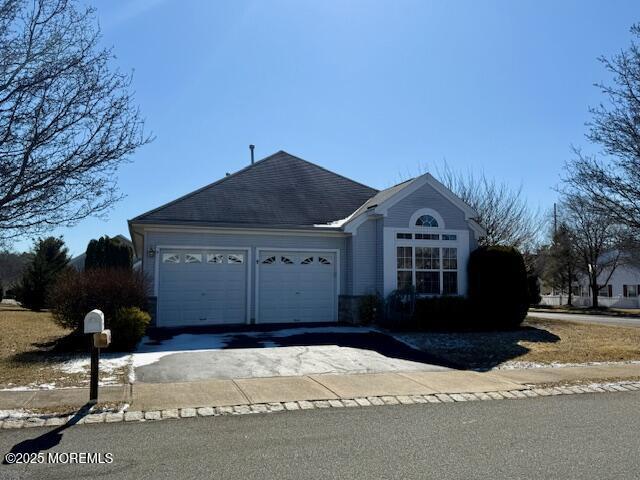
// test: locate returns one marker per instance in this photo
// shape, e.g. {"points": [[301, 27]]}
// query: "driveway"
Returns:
{"points": [[586, 318], [180, 355]]}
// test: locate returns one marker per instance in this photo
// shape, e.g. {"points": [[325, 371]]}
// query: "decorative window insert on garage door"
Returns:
{"points": [[202, 286], [297, 286]]}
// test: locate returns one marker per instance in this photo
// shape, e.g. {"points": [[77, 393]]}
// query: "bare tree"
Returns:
{"points": [[596, 237], [502, 209], [612, 186], [67, 120]]}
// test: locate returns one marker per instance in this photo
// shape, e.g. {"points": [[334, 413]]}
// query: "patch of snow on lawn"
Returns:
{"points": [[109, 362]]}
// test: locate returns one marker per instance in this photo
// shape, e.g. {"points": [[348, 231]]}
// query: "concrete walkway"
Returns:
{"points": [[213, 393]]}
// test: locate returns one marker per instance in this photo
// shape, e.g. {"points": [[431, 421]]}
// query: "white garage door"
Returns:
{"points": [[296, 287], [202, 287]]}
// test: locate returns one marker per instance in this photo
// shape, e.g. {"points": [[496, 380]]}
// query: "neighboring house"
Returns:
{"points": [[78, 261], [622, 290], [284, 240]]}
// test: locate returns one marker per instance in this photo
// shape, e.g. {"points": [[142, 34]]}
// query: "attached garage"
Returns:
{"points": [[202, 287], [297, 286]]}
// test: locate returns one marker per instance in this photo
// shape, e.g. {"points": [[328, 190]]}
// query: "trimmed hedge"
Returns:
{"points": [[498, 286]]}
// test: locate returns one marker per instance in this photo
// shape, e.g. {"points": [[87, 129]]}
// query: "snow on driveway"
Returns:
{"points": [[285, 352]]}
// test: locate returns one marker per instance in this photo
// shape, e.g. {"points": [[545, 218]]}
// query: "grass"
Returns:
{"points": [[30, 350], [539, 341]]}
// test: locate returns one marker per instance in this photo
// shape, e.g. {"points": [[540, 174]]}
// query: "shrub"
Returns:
{"points": [[48, 261], [127, 328], [399, 309], [107, 253], [76, 293], [443, 313], [369, 308], [498, 288]]}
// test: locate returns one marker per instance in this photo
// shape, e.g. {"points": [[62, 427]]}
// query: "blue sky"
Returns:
{"points": [[374, 90]]}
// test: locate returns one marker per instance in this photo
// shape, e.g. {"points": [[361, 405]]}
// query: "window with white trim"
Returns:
{"points": [[432, 270], [427, 270], [324, 261], [307, 261], [269, 260], [427, 236], [170, 258], [449, 237], [286, 260], [404, 257], [630, 291], [449, 271], [605, 291], [426, 221]]}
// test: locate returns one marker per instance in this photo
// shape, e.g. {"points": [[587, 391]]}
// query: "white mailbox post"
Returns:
{"points": [[100, 338]]}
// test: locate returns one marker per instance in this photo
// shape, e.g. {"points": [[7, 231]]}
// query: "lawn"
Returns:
{"points": [[30, 353], [538, 342]]}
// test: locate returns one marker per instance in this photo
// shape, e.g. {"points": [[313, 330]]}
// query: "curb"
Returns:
{"points": [[360, 402]]}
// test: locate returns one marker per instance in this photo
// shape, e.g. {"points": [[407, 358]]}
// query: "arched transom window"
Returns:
{"points": [[426, 221]]}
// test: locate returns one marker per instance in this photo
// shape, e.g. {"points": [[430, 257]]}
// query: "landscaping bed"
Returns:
{"points": [[32, 353], [538, 342]]}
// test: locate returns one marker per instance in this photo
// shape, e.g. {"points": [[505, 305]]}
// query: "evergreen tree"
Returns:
{"points": [[50, 258], [107, 253], [561, 261]]}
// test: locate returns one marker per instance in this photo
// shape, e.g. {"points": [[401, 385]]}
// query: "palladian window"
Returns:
{"points": [[426, 221]]}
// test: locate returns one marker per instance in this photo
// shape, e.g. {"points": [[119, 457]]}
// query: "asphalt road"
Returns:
{"points": [[598, 319], [585, 436]]}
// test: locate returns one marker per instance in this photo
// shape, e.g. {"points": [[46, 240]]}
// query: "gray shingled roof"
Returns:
{"points": [[279, 190], [382, 196]]}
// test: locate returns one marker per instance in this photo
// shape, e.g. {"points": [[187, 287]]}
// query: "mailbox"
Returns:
{"points": [[102, 339], [94, 322]]}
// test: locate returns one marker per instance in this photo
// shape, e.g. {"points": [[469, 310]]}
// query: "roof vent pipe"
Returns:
{"points": [[251, 147]]}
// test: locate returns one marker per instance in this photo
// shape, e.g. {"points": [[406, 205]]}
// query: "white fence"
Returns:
{"points": [[578, 301]]}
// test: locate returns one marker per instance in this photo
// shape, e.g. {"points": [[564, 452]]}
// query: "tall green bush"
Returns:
{"points": [[49, 260], [498, 288], [108, 252]]}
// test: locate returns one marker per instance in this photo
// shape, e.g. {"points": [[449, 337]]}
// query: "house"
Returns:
{"points": [[77, 262], [620, 289], [284, 240]]}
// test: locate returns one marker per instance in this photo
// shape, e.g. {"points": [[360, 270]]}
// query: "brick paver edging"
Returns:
{"points": [[153, 415]]}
